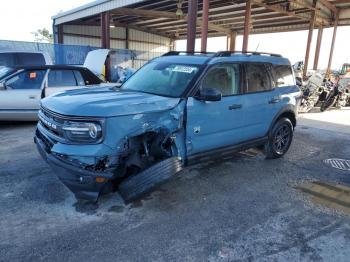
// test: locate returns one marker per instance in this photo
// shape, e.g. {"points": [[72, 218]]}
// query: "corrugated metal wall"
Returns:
{"points": [[147, 45], [93, 8]]}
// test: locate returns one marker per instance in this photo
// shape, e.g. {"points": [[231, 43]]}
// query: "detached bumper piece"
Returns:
{"points": [[135, 187], [85, 184]]}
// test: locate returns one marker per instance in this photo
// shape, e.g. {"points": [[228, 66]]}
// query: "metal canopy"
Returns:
{"points": [[225, 16]]}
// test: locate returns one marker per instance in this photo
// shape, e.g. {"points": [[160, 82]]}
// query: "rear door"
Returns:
{"points": [[21, 97], [260, 99], [63, 79]]}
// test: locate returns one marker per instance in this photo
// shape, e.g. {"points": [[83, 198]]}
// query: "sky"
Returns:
{"points": [[21, 17], [290, 44]]}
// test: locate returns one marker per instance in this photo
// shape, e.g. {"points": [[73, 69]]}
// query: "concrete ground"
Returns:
{"points": [[245, 208]]}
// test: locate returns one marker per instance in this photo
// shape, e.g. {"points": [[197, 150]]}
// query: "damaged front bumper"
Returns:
{"points": [[84, 183]]}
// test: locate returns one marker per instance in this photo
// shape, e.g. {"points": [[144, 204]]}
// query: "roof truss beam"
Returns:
{"points": [[163, 14]]}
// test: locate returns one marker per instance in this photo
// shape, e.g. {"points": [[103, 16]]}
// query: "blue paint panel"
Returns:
{"points": [[212, 124]]}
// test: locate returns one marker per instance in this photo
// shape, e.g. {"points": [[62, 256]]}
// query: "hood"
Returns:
{"points": [[106, 102], [95, 61]]}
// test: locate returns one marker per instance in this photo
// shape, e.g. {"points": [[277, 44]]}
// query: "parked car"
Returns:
{"points": [[22, 88], [176, 110], [21, 58]]}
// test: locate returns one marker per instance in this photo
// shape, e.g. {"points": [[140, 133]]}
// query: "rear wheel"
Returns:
{"points": [[280, 139], [328, 103]]}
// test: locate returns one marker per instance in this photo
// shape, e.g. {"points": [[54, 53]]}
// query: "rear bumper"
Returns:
{"points": [[80, 181]]}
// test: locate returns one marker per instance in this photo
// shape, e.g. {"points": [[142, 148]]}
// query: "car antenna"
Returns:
{"points": [[256, 50]]}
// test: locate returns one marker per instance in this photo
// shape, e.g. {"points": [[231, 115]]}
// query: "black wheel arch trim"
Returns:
{"points": [[290, 109]]}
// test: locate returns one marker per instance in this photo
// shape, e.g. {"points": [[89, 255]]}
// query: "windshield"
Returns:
{"points": [[162, 78]]}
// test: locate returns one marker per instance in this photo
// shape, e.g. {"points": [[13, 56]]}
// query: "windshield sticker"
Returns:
{"points": [[32, 75], [184, 69]]}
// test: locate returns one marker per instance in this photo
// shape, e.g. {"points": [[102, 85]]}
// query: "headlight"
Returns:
{"points": [[82, 132]]}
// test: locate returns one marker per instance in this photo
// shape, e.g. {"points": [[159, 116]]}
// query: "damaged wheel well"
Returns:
{"points": [[149, 148]]}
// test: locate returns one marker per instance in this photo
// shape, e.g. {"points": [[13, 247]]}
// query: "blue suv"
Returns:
{"points": [[176, 110]]}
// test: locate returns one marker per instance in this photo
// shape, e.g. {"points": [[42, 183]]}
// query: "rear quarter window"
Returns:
{"points": [[90, 78], [283, 76]]}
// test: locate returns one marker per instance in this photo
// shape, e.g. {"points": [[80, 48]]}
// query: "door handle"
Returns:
{"points": [[274, 100], [32, 97], [234, 106]]}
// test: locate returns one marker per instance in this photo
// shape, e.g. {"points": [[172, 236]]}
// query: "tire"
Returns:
{"points": [[134, 187], [328, 104], [280, 139]]}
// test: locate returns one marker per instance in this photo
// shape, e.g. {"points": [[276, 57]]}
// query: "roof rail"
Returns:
{"points": [[229, 53], [188, 53]]}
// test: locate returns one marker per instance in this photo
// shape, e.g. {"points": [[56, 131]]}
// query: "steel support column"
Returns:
{"points": [[172, 45], [309, 39], [105, 30], [60, 34], [333, 42], [191, 25], [205, 17], [231, 41], [126, 38], [247, 24], [318, 47]]}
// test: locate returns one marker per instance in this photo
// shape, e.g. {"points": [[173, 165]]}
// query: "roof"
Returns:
{"points": [[224, 56], [225, 16]]}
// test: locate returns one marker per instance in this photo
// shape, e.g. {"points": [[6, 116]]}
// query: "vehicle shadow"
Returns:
{"points": [[9, 124]]}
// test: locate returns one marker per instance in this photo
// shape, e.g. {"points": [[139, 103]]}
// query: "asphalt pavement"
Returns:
{"points": [[244, 208]]}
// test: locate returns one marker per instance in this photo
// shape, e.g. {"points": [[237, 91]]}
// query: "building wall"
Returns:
{"points": [[146, 45]]}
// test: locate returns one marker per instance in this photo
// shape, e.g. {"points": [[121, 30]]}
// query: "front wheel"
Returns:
{"points": [[280, 139]]}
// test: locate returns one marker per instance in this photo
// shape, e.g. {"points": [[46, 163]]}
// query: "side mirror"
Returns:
{"points": [[2, 86], [209, 94]]}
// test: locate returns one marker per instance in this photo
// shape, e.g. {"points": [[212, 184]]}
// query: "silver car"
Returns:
{"points": [[22, 88]]}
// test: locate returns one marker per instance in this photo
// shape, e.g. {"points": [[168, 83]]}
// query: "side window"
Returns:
{"points": [[258, 78], [225, 77], [31, 79], [283, 76], [61, 78], [79, 78]]}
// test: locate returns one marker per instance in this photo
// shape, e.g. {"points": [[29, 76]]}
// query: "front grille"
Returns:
{"points": [[52, 123], [47, 142]]}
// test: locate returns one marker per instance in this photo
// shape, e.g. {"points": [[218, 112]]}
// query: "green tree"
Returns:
{"points": [[43, 35]]}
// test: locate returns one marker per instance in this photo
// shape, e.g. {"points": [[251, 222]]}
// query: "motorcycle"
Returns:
{"points": [[336, 95], [311, 93], [344, 83]]}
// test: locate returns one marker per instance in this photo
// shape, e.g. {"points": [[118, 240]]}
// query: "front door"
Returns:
{"points": [[218, 124], [20, 98]]}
